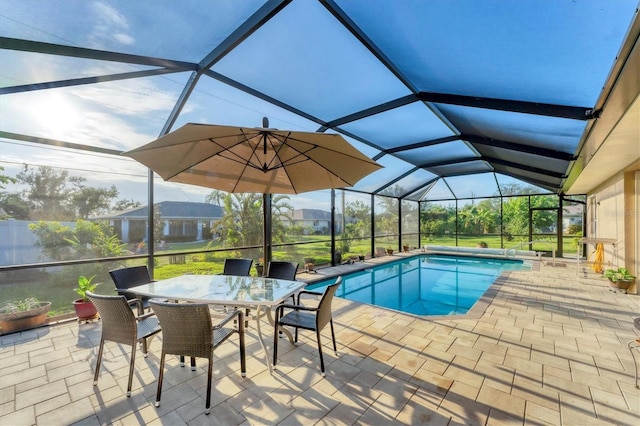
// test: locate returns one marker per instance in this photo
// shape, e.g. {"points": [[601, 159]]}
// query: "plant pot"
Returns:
{"points": [[405, 248], [390, 252], [308, 267], [25, 320], [259, 270], [85, 311], [620, 285]]}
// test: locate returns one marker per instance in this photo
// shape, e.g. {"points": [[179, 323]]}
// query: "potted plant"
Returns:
{"points": [[619, 279], [405, 248], [260, 267], [23, 314], [85, 310], [389, 251], [309, 264]]}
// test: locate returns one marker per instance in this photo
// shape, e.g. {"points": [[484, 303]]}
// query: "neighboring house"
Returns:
{"points": [[183, 221], [318, 220], [572, 215]]}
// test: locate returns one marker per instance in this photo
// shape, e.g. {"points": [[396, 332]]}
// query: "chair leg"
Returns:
{"points": [[243, 357], [333, 337], [320, 352], [160, 376], [275, 345], [209, 375], [98, 361], [131, 365], [193, 363]]}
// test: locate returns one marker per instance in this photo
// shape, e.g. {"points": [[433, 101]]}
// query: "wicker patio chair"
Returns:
{"points": [[120, 325], [125, 278], [282, 270], [308, 318], [187, 330], [240, 267]]}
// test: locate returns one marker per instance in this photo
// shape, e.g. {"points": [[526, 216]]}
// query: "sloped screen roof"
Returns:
{"points": [[447, 94]]}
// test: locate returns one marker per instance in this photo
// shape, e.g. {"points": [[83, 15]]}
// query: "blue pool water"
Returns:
{"points": [[424, 285]]}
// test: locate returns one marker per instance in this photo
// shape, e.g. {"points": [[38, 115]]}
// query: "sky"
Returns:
{"points": [[304, 47]]}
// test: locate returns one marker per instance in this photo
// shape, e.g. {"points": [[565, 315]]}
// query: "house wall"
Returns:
{"points": [[18, 244], [612, 212]]}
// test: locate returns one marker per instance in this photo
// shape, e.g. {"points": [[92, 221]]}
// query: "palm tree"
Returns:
{"points": [[241, 222]]}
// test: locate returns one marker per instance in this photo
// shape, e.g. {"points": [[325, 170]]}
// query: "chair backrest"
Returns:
{"points": [[130, 277], [240, 267], [118, 322], [324, 307], [282, 270], [186, 328]]}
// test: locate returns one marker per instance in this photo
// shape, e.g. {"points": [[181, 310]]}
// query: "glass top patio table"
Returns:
{"points": [[222, 290], [259, 293]]}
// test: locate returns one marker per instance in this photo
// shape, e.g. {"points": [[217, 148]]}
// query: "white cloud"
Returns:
{"points": [[109, 25], [124, 38]]}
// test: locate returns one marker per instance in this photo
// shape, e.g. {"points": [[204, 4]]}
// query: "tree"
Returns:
{"points": [[88, 200], [387, 215], [437, 219], [515, 213], [480, 218], [5, 179], [358, 219], [53, 194], [14, 206], [121, 205], [87, 240], [215, 197], [241, 223], [158, 223], [47, 193], [281, 209]]}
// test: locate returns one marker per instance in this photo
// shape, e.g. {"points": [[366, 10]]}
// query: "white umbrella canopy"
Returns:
{"points": [[257, 160]]}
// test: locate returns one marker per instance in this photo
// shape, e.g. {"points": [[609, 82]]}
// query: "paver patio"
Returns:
{"points": [[544, 347]]}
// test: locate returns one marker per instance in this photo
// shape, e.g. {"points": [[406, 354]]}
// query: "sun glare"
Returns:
{"points": [[57, 116]]}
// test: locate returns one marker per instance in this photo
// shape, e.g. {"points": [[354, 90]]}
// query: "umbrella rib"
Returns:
{"points": [[246, 163], [283, 140], [212, 140]]}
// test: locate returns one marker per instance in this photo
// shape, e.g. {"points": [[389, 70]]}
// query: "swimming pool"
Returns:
{"points": [[425, 285]]}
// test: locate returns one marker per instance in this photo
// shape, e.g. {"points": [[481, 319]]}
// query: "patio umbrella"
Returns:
{"points": [[255, 160]]}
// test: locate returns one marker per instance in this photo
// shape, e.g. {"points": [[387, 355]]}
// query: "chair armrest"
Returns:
{"points": [[136, 302], [228, 318], [314, 293], [317, 293], [282, 306], [145, 316], [299, 307]]}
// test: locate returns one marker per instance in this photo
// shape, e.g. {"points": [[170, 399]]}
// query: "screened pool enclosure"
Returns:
{"points": [[478, 111]]}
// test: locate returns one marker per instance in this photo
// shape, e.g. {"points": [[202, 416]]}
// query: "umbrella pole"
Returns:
{"points": [[266, 231]]}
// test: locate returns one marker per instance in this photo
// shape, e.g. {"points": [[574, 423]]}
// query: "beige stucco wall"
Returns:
{"points": [[612, 212]]}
